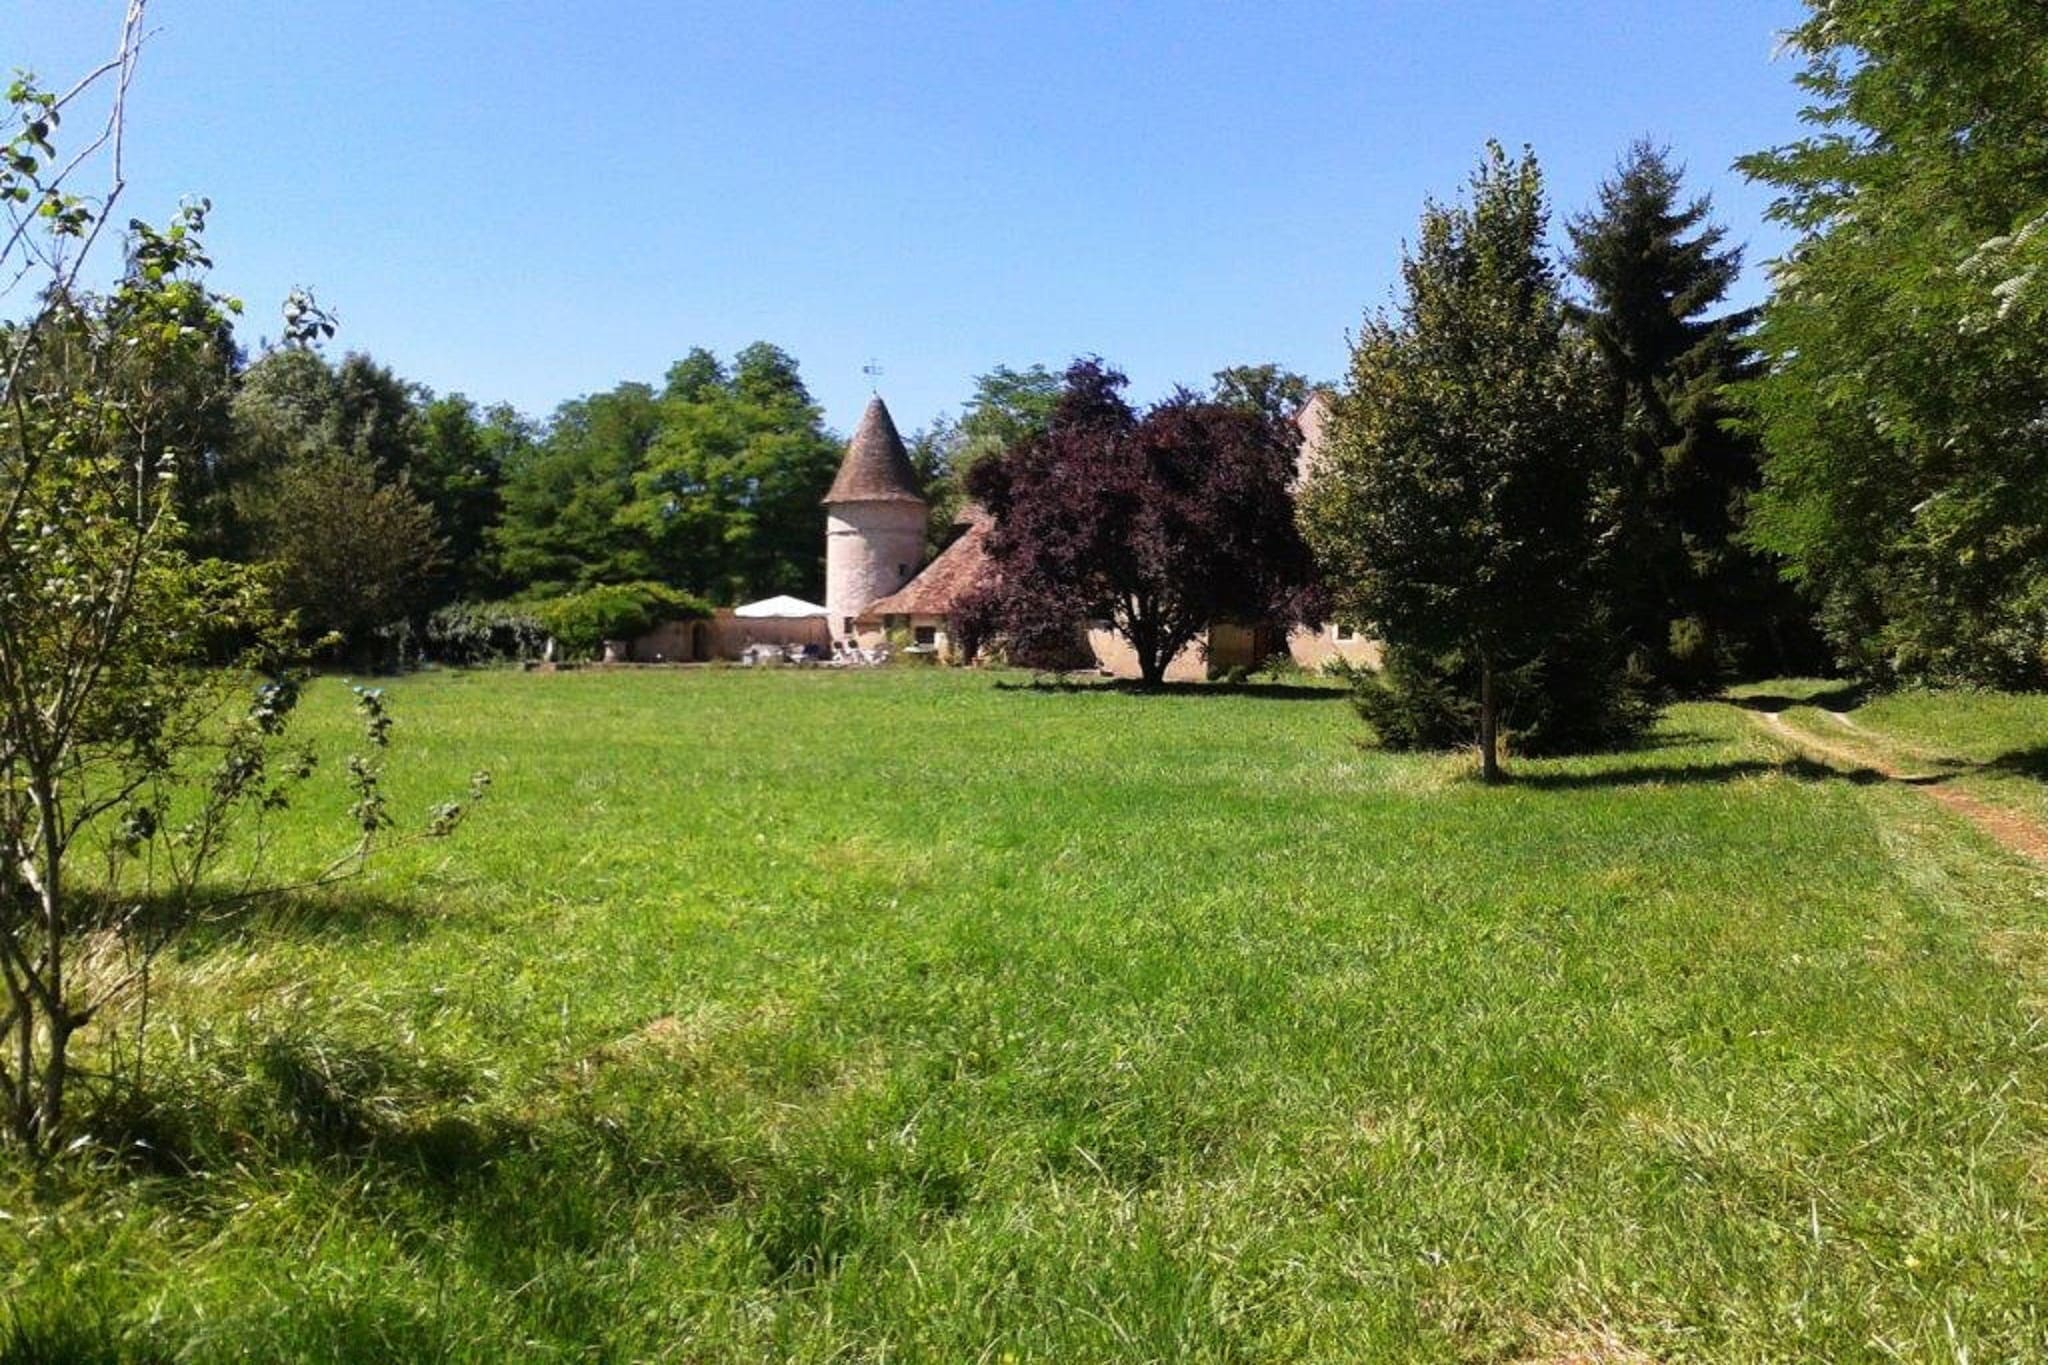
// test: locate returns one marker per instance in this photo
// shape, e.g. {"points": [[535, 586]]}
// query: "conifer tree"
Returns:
{"points": [[1688, 599]]}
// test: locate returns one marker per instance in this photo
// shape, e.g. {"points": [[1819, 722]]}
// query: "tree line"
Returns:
{"points": [[389, 517], [376, 504], [1549, 498], [1562, 485], [1848, 476]]}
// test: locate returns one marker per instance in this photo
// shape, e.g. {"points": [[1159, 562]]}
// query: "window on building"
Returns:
{"points": [[903, 571], [1345, 632], [847, 629], [927, 635]]}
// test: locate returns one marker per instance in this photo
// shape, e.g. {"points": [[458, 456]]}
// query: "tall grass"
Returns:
{"points": [[918, 1016]]}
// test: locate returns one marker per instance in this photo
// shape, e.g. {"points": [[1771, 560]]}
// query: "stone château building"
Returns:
{"points": [[876, 585], [874, 523]]}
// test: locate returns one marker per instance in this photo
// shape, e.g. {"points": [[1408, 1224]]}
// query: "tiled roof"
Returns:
{"points": [[959, 569], [876, 467]]}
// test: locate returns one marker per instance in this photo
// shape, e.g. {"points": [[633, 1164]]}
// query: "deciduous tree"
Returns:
{"points": [[129, 760], [1456, 509], [561, 526], [1007, 406], [1164, 524], [1268, 388], [711, 485], [1906, 478], [727, 499], [459, 469], [347, 552]]}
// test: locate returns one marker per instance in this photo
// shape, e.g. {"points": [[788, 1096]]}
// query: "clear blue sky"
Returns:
{"points": [[528, 201]]}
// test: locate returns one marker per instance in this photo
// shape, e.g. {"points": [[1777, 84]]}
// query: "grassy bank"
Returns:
{"points": [[913, 1015]]}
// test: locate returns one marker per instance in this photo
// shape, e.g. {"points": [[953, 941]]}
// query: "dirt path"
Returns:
{"points": [[2008, 828]]}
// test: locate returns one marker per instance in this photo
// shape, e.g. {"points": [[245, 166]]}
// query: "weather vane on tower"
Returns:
{"points": [[873, 370]]}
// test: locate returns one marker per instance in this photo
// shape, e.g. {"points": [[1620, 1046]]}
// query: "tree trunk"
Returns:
{"points": [[45, 1093], [21, 1102], [56, 1075], [1144, 633], [1489, 722]]}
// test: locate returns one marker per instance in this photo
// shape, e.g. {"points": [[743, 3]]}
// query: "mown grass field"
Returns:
{"points": [[925, 1016], [1993, 745]]}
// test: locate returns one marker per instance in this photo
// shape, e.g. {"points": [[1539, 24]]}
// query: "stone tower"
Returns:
{"points": [[874, 521]]}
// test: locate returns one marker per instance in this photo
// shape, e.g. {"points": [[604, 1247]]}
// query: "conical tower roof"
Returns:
{"points": [[876, 467]]}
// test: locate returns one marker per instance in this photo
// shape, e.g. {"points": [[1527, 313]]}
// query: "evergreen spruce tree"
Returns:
{"points": [[1691, 603]]}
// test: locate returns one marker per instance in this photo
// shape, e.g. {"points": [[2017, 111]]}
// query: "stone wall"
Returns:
{"points": [[1314, 648], [726, 636]]}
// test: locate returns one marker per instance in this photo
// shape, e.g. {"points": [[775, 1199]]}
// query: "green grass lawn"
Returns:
{"points": [[910, 1016], [1993, 745], [1982, 727]]}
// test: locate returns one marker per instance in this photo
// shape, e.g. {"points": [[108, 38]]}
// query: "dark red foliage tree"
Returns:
{"points": [[1161, 523]]}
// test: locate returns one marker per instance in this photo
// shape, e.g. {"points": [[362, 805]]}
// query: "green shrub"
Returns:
{"points": [[1342, 669], [1576, 697], [1694, 662], [581, 622], [1281, 666], [480, 632]]}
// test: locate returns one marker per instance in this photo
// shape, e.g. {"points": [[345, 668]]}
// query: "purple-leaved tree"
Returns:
{"points": [[1162, 523]]}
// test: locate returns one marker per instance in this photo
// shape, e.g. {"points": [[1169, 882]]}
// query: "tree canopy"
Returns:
{"points": [[711, 485], [1906, 479], [1455, 510], [564, 497], [346, 552], [1270, 389], [1007, 406], [1163, 523]]}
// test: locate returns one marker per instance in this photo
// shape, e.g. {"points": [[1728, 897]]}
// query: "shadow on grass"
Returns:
{"points": [[1695, 774], [376, 1115], [2031, 764], [1650, 742], [340, 911], [1125, 687], [75, 1332], [216, 916], [522, 1186], [2023, 763], [1844, 696]]}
